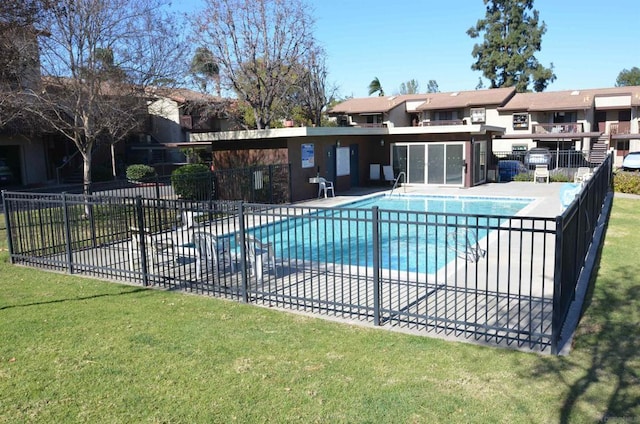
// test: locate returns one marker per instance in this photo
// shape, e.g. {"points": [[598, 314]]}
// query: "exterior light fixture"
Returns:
{"points": [[382, 142]]}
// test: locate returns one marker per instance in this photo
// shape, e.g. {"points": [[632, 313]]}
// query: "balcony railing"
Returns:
{"points": [[620, 128], [560, 128], [434, 123]]}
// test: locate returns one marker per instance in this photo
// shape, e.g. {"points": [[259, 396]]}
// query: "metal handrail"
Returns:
{"points": [[64, 164], [395, 183]]}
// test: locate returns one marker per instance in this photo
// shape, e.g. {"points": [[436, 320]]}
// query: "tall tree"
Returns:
{"points": [[432, 87], [314, 93], [97, 59], [19, 63], [512, 35], [410, 87], [204, 68], [628, 77], [258, 45], [376, 87]]}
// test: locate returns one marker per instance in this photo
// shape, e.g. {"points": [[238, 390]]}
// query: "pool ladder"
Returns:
{"points": [[395, 183]]}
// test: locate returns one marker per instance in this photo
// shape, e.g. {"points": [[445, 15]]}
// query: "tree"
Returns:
{"points": [[19, 63], [376, 87], [512, 35], [312, 89], [258, 45], [432, 87], [98, 58], [409, 87], [628, 77], [204, 68]]}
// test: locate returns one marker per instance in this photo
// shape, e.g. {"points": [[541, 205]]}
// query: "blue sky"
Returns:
{"points": [[589, 42]]}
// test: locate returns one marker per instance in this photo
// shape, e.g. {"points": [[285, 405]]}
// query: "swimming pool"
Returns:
{"points": [[412, 230]]}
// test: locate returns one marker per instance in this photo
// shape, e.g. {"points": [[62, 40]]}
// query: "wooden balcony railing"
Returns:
{"points": [[620, 128], [561, 128]]}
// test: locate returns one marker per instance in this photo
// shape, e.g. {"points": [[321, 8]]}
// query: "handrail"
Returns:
{"points": [[65, 163], [395, 183]]}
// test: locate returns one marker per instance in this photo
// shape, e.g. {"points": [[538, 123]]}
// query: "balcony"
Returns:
{"points": [[442, 122], [560, 128], [616, 128]]}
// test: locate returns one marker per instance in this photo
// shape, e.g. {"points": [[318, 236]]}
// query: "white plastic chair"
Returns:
{"points": [[256, 252], [156, 246], [582, 175], [542, 172], [387, 171], [210, 250], [325, 186]]}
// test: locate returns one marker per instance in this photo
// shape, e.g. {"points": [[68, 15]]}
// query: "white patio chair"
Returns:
{"points": [[387, 171], [582, 175], [256, 252], [541, 172], [210, 251], [156, 246], [325, 186]]}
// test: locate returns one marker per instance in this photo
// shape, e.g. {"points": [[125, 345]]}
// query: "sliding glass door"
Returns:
{"points": [[430, 163]]}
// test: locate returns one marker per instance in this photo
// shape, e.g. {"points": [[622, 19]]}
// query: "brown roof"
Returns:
{"points": [[377, 104], [568, 99], [184, 95], [462, 99]]}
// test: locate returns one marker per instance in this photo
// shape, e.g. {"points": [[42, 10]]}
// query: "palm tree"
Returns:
{"points": [[376, 87]]}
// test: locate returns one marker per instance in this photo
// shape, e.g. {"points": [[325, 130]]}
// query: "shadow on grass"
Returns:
{"points": [[606, 353], [74, 299]]}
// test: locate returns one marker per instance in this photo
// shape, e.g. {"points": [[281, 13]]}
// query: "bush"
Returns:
{"points": [[140, 172], [523, 176], [626, 182], [193, 182]]}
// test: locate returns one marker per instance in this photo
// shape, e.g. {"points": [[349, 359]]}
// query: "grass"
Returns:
{"points": [[82, 350]]}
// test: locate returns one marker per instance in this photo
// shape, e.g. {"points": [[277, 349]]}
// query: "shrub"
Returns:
{"points": [[523, 176], [140, 172], [626, 182], [192, 182]]}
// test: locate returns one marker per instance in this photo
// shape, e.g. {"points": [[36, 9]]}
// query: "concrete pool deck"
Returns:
{"points": [[546, 204]]}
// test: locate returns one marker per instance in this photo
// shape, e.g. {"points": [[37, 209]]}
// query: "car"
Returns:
{"points": [[508, 169], [538, 156], [6, 176], [631, 162]]}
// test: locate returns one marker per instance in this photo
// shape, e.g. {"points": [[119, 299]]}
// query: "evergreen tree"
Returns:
{"points": [[410, 87], [628, 77], [512, 35]]}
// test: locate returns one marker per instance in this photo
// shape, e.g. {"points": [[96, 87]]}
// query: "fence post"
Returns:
{"points": [[243, 254], [7, 225], [142, 244], [67, 233], [271, 184], [290, 182], [376, 265], [557, 315]]}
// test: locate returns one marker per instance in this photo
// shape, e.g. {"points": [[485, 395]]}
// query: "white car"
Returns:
{"points": [[631, 162]]}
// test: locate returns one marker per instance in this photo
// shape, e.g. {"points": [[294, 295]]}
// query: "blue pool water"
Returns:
{"points": [[412, 230]]}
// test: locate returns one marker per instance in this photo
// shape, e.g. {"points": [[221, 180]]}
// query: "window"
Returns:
{"points": [[445, 116], [478, 115], [520, 121], [622, 147]]}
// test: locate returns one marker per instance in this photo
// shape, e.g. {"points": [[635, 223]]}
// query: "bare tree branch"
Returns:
{"points": [[258, 45]]}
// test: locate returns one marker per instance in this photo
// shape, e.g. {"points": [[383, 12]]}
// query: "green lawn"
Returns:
{"points": [[82, 350]]}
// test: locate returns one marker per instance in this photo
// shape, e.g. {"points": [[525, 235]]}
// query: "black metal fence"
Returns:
{"points": [[562, 164], [494, 279], [261, 183]]}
